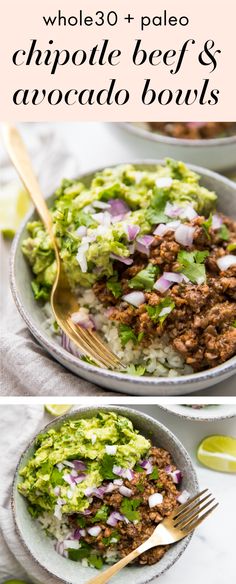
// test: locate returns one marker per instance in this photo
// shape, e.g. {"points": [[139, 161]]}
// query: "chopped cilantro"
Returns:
{"points": [[101, 515], [107, 541], [155, 312], [145, 279], [95, 561], [34, 511], [234, 324], [155, 213], [135, 369], [160, 485], [192, 265], [83, 552], [129, 509], [207, 224], [154, 475], [224, 233], [127, 334], [114, 286], [140, 487], [107, 464], [138, 468], [81, 521]]}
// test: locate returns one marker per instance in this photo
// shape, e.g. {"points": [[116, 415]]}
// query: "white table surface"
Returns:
{"points": [[209, 557], [96, 145]]}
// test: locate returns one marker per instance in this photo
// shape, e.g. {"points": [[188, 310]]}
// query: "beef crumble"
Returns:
{"points": [[194, 130], [201, 327], [129, 535]]}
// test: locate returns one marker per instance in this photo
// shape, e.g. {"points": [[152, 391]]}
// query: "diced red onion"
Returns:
{"points": [[82, 318], [103, 218], [111, 449], [81, 231], [131, 248], [165, 227], [217, 221], [57, 511], [117, 470], [188, 212], [60, 466], [118, 482], [125, 491], [89, 491], [184, 235], [69, 479], [70, 544], [173, 277], [74, 473], [172, 210], [57, 491], [143, 244], [110, 488], [61, 502], [114, 518], [183, 497], [79, 465], [128, 474], [59, 548], [155, 499], [81, 256], [176, 476], [164, 181], [132, 231], [134, 298], [166, 310], [86, 512], [68, 463], [162, 284], [94, 531], [93, 438], [78, 533], [99, 492], [118, 207], [127, 261], [226, 262], [69, 346], [69, 494], [147, 466], [80, 479], [168, 469]]}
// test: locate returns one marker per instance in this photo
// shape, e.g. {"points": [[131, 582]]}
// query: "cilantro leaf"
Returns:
{"points": [[114, 286], [81, 521], [207, 224], [140, 488], [234, 323], [135, 369], [192, 265], [95, 561], [154, 475], [160, 312], [83, 552], [107, 464], [145, 279], [224, 233], [101, 515], [155, 213], [107, 541], [127, 334], [129, 509]]}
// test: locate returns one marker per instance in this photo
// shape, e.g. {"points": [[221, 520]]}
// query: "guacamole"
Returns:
{"points": [[95, 223], [77, 458]]}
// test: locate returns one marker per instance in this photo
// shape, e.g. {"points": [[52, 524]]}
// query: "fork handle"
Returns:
{"points": [[20, 158], [110, 572]]}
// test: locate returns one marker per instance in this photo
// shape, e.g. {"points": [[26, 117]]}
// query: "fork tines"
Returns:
{"points": [[189, 515]]}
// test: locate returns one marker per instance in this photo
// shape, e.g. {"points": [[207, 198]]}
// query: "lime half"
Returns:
{"points": [[218, 453], [14, 581], [14, 204], [57, 409]]}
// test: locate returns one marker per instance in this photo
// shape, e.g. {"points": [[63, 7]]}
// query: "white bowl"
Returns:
{"points": [[209, 413], [216, 154], [32, 313], [40, 546]]}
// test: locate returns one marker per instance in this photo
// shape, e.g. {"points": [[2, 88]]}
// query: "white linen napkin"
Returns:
{"points": [[18, 425]]}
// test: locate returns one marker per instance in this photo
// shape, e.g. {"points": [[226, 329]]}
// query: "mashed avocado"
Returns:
{"points": [[89, 232], [87, 441]]}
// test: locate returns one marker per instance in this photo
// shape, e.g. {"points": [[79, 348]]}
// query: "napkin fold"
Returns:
{"points": [[18, 425]]}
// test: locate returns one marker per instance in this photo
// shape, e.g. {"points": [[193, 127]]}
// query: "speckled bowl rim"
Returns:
{"points": [[188, 417], [216, 374], [122, 410], [155, 137]]}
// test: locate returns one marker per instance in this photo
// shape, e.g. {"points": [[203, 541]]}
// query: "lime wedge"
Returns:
{"points": [[14, 581], [14, 204], [218, 453], [57, 409]]}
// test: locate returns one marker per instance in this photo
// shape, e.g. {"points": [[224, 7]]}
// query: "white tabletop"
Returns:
{"points": [[97, 145]]}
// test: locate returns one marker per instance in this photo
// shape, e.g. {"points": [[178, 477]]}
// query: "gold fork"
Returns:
{"points": [[178, 525], [63, 301]]}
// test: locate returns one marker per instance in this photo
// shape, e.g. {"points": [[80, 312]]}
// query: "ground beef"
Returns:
{"points": [[194, 131], [201, 326], [132, 534]]}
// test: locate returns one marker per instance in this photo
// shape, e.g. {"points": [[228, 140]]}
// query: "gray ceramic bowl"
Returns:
{"points": [[40, 546], [216, 154], [128, 384], [210, 413]]}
